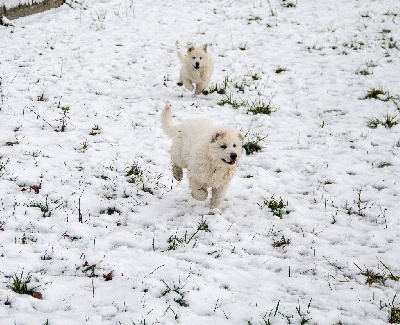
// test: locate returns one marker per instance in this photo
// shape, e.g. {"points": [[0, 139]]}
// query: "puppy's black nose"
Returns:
{"points": [[197, 64], [233, 156]]}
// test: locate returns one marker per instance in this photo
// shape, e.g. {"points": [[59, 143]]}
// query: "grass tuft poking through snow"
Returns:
{"points": [[22, 285]]}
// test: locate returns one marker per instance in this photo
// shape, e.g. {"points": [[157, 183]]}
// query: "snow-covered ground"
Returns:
{"points": [[82, 89], [14, 3]]}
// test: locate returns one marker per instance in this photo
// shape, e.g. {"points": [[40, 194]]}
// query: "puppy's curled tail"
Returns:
{"points": [[181, 57], [166, 121]]}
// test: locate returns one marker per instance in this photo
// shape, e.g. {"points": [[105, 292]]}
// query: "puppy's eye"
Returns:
{"points": [[201, 58], [193, 57], [223, 146], [234, 145]]}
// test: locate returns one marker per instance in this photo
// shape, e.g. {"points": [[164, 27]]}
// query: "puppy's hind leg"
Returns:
{"points": [[177, 172]]}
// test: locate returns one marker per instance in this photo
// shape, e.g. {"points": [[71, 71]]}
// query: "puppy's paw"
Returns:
{"points": [[215, 210], [215, 205], [200, 194], [177, 172]]}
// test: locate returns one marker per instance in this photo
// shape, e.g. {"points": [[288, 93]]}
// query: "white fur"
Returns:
{"points": [[209, 153], [197, 68]]}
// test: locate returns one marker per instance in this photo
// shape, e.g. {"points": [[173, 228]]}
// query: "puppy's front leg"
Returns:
{"points": [[201, 88], [180, 82], [199, 191], [188, 84], [218, 195]]}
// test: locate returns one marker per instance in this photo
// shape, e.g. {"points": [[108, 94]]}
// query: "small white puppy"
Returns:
{"points": [[209, 153], [197, 68]]}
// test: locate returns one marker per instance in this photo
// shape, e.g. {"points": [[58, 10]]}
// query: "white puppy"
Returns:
{"points": [[197, 69], [209, 153]]}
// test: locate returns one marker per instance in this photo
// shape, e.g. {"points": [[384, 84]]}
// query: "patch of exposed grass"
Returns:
{"points": [[391, 276], [372, 276], [135, 173], [216, 88], [230, 100], [391, 13], [64, 118], [241, 85], [254, 18], [243, 46], [90, 270], [12, 143], [175, 242], [110, 211], [396, 101], [280, 70], [3, 164], [388, 121], [253, 146], [254, 75], [260, 106], [281, 242], [303, 316], [394, 313], [364, 72], [95, 130], [288, 4], [44, 208], [42, 97], [21, 285], [85, 145], [394, 317], [257, 106], [377, 93], [355, 45], [277, 207], [178, 289], [142, 178], [220, 88], [384, 164], [333, 264], [232, 86]]}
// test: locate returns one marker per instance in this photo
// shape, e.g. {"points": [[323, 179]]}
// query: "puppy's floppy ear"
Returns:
{"points": [[190, 48], [205, 47], [217, 135]]}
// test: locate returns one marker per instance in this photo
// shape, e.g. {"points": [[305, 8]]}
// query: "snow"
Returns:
{"points": [[15, 3], [114, 65], [5, 21]]}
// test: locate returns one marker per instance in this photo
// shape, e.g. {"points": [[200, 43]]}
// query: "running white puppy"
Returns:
{"points": [[197, 69], [209, 153]]}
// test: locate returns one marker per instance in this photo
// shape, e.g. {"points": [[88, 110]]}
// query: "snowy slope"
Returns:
{"points": [[15, 3], [82, 89]]}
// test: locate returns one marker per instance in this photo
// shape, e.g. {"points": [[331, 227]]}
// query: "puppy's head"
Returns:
{"points": [[226, 147], [197, 56]]}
